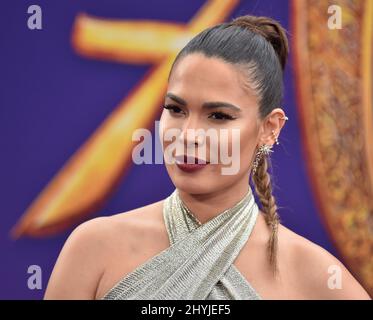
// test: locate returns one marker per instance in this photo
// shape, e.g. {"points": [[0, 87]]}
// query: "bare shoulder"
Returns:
{"points": [[316, 272], [77, 268], [85, 254]]}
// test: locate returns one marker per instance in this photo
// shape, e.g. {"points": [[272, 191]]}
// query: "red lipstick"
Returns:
{"points": [[193, 165]]}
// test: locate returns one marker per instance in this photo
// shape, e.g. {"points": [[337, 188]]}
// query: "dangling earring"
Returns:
{"points": [[276, 139], [263, 150]]}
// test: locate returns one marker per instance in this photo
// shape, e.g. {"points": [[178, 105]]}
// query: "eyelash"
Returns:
{"points": [[224, 116]]}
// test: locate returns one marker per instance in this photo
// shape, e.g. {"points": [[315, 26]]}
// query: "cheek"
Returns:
{"points": [[161, 127], [165, 124], [245, 147], [248, 144], [169, 132]]}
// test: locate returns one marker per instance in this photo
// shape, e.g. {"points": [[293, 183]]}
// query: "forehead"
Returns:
{"points": [[200, 78]]}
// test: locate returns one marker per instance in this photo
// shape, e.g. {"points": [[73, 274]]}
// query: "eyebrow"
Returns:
{"points": [[205, 105]]}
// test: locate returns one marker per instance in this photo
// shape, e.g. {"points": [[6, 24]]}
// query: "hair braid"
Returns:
{"points": [[263, 188]]}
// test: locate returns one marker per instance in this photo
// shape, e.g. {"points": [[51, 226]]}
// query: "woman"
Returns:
{"points": [[208, 239]]}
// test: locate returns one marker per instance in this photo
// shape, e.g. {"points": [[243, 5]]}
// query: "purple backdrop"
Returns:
{"points": [[52, 100]]}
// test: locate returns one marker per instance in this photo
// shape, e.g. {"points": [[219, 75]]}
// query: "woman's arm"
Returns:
{"points": [[323, 276], [79, 266]]}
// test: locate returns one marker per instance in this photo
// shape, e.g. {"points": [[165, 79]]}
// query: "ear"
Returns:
{"points": [[272, 122]]}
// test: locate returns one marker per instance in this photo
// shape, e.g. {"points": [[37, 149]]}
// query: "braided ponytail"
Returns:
{"points": [[263, 188], [273, 32]]}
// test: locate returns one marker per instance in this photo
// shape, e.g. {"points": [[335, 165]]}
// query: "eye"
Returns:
{"points": [[172, 108], [221, 116]]}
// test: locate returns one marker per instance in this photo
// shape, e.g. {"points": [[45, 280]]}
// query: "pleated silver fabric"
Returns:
{"points": [[198, 265]]}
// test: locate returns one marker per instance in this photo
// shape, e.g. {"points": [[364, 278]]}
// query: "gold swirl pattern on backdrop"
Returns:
{"points": [[334, 72]]}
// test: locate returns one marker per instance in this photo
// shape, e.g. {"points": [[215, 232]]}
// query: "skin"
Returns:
{"points": [[103, 250]]}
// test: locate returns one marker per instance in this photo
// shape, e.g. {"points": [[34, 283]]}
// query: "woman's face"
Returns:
{"points": [[197, 81]]}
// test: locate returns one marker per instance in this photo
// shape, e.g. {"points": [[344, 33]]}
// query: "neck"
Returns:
{"points": [[207, 206]]}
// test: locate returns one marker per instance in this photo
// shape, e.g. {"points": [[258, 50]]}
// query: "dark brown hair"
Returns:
{"points": [[259, 47]]}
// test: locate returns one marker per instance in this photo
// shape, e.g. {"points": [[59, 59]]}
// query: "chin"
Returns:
{"points": [[197, 190], [196, 186], [193, 183]]}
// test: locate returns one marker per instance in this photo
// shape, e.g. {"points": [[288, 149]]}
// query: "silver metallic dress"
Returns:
{"points": [[199, 262]]}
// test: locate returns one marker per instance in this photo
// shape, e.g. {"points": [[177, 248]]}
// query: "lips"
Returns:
{"points": [[194, 164], [184, 159]]}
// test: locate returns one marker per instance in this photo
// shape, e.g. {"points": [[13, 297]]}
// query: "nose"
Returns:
{"points": [[191, 134]]}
